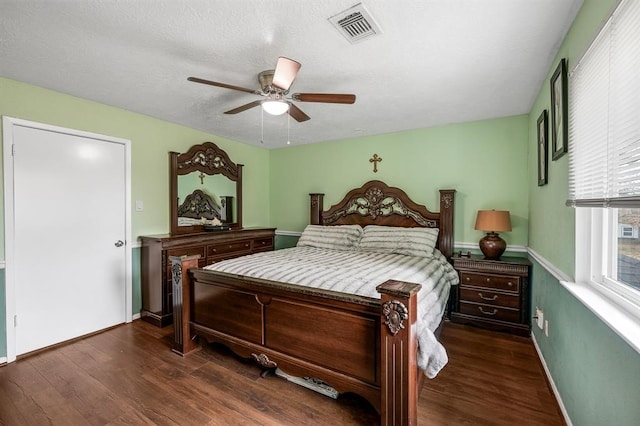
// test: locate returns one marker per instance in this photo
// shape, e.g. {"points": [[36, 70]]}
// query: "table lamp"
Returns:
{"points": [[492, 222]]}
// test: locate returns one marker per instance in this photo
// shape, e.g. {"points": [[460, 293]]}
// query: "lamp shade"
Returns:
{"points": [[493, 221], [275, 107]]}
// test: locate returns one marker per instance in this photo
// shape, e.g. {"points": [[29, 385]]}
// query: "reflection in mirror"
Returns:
{"points": [[196, 191], [206, 189]]}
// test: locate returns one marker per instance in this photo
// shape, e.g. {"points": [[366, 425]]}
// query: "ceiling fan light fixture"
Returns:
{"points": [[275, 107]]}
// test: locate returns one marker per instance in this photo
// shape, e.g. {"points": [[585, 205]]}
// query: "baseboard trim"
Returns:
{"points": [[552, 384]]}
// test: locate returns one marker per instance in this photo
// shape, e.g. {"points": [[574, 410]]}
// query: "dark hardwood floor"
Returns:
{"points": [[128, 375]]}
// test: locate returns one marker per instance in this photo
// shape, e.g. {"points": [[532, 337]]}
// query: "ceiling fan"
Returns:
{"points": [[274, 86]]}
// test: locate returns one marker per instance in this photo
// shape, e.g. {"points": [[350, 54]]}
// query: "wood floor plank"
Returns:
{"points": [[128, 375]]}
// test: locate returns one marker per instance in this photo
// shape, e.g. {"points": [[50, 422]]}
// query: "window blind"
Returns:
{"points": [[604, 116]]}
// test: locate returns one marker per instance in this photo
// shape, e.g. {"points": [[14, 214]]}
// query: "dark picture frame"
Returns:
{"points": [[543, 149], [559, 111]]}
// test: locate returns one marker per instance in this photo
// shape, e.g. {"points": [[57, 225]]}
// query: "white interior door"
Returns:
{"points": [[67, 263]]}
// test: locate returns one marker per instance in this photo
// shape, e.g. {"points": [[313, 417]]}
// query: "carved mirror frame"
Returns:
{"points": [[209, 159]]}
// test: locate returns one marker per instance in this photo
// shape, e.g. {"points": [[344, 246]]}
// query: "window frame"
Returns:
{"points": [[596, 254], [596, 216]]}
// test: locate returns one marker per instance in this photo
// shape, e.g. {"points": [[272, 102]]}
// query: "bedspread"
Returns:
{"points": [[359, 273]]}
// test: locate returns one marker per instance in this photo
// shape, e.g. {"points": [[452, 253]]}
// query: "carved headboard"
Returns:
{"points": [[376, 203], [198, 205]]}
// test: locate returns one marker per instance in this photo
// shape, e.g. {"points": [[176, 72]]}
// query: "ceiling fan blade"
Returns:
{"points": [[285, 73], [243, 107], [226, 86], [297, 113], [330, 98]]}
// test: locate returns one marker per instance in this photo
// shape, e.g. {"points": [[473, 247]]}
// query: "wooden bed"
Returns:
{"points": [[296, 328]]}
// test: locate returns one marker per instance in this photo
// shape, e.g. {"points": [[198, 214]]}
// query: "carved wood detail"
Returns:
{"points": [[182, 338], [198, 205], [209, 159], [376, 203], [395, 313], [264, 360], [486, 266], [399, 381]]}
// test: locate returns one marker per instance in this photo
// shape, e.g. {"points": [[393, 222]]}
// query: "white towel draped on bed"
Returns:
{"points": [[359, 273]]}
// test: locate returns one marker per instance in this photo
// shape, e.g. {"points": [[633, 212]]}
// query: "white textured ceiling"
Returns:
{"points": [[436, 62]]}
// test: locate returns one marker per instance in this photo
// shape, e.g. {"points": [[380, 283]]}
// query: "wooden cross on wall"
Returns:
{"points": [[375, 161], [201, 176]]}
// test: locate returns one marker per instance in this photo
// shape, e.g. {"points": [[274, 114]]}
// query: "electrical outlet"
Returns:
{"points": [[546, 328], [139, 205]]}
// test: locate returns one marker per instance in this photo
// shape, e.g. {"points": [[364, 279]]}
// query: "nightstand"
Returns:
{"points": [[493, 293]]}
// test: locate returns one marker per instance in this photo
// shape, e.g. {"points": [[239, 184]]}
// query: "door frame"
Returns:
{"points": [[8, 124]]}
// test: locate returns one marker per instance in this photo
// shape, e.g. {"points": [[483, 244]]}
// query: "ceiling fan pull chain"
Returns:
{"points": [[288, 127], [261, 126]]}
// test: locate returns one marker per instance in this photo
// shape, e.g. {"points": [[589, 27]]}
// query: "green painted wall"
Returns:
{"points": [[151, 141], [285, 241], [482, 160], [595, 371]]}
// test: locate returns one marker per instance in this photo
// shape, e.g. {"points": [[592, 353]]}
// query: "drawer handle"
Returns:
{"points": [[468, 279], [488, 280], [495, 296], [246, 245], [495, 311], [510, 284], [213, 250]]}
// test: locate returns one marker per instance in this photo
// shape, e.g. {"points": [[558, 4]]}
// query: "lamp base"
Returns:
{"points": [[492, 246]]}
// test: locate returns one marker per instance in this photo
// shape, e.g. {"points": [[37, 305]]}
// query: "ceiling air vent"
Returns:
{"points": [[355, 23]]}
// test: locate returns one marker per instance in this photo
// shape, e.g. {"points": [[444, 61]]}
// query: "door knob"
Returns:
{"points": [[119, 243]]}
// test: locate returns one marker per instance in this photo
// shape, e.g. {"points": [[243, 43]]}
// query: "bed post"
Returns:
{"points": [[399, 353], [316, 209], [182, 342], [447, 197]]}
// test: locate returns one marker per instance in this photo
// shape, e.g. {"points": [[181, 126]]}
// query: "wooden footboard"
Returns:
{"points": [[352, 343]]}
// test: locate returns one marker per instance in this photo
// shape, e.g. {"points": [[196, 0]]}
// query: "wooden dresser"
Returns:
{"points": [[493, 294], [157, 302]]}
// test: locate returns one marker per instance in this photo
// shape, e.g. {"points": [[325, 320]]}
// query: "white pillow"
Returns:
{"points": [[338, 237], [398, 240]]}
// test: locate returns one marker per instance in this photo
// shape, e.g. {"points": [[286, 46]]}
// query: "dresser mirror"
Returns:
{"points": [[205, 190]]}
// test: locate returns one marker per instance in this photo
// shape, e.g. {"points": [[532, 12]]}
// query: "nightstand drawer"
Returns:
{"points": [[499, 282], [489, 311], [477, 295]]}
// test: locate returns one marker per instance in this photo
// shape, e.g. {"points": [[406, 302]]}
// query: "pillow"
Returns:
{"points": [[418, 242], [339, 237]]}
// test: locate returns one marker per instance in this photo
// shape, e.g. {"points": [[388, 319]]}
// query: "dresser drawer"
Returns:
{"points": [[263, 244], [233, 247], [499, 282], [489, 311], [488, 297], [187, 251]]}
